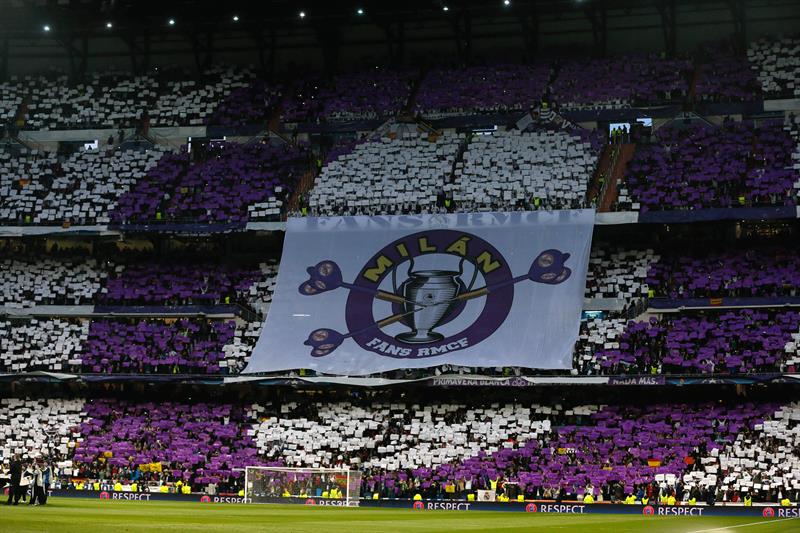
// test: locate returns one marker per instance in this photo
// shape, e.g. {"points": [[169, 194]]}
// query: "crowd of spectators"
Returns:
{"points": [[776, 62], [498, 88], [83, 188], [622, 81], [752, 272], [720, 452], [543, 169], [213, 184], [700, 166], [738, 341]]}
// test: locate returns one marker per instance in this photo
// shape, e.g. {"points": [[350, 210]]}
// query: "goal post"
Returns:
{"points": [[272, 484]]}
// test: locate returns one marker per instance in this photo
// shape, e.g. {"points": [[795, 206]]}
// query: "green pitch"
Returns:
{"points": [[89, 516]]}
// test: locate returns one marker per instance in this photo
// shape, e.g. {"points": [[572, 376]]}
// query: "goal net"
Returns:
{"points": [[266, 484]]}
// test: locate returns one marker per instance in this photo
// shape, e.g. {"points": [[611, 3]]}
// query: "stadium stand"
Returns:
{"points": [[26, 423], [217, 186], [197, 443], [763, 460], [723, 76], [539, 170], [619, 82], [736, 341], [389, 176], [730, 273], [777, 65], [536, 450], [146, 283], [252, 104], [27, 282], [51, 344], [619, 273], [39, 188], [157, 346], [371, 94], [495, 88], [748, 166]]}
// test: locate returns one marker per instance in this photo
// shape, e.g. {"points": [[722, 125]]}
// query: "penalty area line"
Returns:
{"points": [[761, 523]]}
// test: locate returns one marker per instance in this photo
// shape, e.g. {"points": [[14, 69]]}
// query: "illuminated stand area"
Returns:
{"points": [[333, 486]]}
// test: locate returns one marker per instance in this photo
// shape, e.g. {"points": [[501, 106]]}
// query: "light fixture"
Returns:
{"points": [[46, 27], [109, 25], [506, 3], [171, 22], [359, 11], [236, 18], [302, 14], [445, 8]]}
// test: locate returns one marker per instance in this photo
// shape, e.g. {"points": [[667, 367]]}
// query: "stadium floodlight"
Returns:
{"points": [[302, 14], [46, 27], [267, 484]]}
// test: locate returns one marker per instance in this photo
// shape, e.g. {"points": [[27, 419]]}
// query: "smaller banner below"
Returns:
{"points": [[361, 295]]}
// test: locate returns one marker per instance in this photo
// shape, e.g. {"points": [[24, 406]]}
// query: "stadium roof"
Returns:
{"points": [[90, 16]]}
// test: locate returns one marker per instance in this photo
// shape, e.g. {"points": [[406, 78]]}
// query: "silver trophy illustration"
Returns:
{"points": [[430, 298]]}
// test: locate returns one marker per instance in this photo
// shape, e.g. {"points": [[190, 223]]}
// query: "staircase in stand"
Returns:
{"points": [[408, 110], [621, 156], [603, 168], [305, 184], [22, 110]]}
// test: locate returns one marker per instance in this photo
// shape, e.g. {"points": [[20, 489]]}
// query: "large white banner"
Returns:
{"points": [[360, 295]]}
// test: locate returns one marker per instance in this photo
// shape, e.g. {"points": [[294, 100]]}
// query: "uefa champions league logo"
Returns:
{"points": [[426, 299]]}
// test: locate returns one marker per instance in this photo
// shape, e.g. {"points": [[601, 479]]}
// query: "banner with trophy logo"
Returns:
{"points": [[361, 295]]}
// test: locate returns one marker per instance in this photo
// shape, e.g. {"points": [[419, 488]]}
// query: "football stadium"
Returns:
{"points": [[370, 266]]}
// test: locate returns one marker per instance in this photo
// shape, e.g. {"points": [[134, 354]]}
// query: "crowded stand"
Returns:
{"points": [[83, 188], [252, 104], [174, 283], [619, 272], [42, 344], [495, 88], [189, 102], [114, 99], [10, 100], [737, 341], [105, 100], [723, 76], [214, 184], [158, 346], [372, 94], [150, 444], [259, 295], [777, 65], [699, 166], [690, 451], [389, 176], [27, 423], [619, 82], [763, 460], [27, 282], [753, 272], [541, 170]]}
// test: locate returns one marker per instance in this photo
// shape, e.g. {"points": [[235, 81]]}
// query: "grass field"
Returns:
{"points": [[89, 516]]}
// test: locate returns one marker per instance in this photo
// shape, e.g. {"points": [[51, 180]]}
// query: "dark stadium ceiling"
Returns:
{"points": [[21, 17]]}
